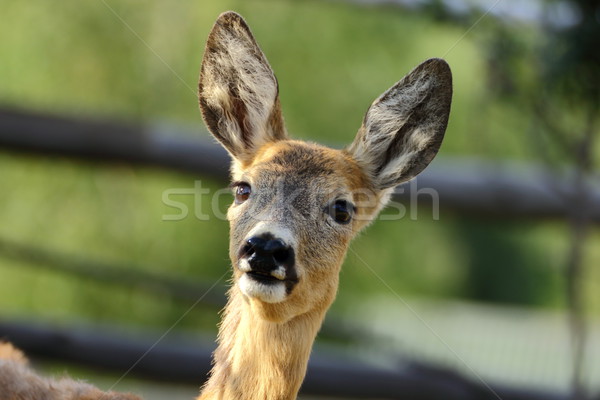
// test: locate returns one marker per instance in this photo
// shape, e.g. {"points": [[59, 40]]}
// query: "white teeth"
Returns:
{"points": [[279, 273]]}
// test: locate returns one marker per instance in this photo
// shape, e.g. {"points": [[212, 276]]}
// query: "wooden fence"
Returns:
{"points": [[473, 186], [189, 362], [505, 190]]}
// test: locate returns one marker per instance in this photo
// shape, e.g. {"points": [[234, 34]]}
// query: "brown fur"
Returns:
{"points": [[266, 336], [19, 382]]}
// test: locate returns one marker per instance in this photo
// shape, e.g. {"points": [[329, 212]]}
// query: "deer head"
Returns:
{"points": [[297, 204]]}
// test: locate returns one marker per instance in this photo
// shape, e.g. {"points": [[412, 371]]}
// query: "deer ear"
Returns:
{"points": [[403, 129], [238, 92]]}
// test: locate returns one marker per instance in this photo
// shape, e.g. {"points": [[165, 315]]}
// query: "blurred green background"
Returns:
{"points": [[139, 60]]}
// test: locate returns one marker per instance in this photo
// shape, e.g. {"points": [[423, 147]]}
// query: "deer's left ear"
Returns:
{"points": [[238, 91], [403, 129]]}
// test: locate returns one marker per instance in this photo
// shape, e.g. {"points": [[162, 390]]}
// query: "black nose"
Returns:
{"points": [[265, 253]]}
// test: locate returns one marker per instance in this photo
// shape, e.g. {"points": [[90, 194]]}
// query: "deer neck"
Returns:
{"points": [[258, 359]]}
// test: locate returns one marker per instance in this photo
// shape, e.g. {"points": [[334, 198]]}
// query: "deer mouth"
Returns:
{"points": [[268, 278], [267, 272], [263, 287], [263, 277], [269, 286]]}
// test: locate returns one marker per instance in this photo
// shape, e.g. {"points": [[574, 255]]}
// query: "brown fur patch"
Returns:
{"points": [[312, 160], [19, 382], [9, 352]]}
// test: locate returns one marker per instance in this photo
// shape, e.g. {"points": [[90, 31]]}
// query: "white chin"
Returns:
{"points": [[268, 292]]}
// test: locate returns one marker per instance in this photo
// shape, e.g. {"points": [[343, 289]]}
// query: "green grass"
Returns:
{"points": [[331, 59]]}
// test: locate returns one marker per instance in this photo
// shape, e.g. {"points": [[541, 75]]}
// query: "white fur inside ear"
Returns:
{"points": [[240, 86], [387, 115], [404, 127], [412, 147], [269, 293]]}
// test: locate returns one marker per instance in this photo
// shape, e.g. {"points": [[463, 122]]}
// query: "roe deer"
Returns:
{"points": [[297, 205]]}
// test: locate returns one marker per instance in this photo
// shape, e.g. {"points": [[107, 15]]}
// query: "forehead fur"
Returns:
{"points": [[307, 159]]}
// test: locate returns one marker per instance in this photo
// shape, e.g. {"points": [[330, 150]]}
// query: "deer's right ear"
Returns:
{"points": [[403, 129], [238, 92]]}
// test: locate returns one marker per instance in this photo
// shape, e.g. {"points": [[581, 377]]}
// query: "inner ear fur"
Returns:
{"points": [[403, 129], [238, 91]]}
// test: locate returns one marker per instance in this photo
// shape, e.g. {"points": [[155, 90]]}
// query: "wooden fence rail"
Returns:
{"points": [[185, 290], [188, 361], [509, 190]]}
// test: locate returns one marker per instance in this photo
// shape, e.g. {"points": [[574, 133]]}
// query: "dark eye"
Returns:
{"points": [[242, 192], [341, 211]]}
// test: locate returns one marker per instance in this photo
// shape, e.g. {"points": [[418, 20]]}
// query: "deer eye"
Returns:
{"points": [[242, 192], [341, 211]]}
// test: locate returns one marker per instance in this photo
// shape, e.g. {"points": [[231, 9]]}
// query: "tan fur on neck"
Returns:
{"points": [[258, 359]]}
